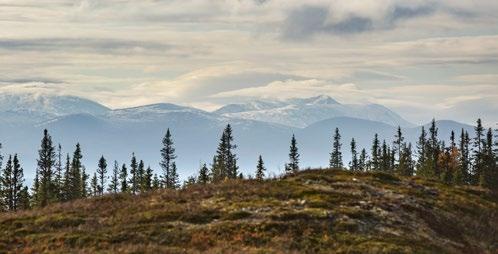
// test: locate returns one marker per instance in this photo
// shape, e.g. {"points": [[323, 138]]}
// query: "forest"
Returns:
{"points": [[62, 177]]}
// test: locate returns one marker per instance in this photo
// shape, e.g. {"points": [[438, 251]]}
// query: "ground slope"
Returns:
{"points": [[316, 211]]}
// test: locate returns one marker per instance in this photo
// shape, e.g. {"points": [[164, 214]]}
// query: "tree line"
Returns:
{"points": [[61, 178]]}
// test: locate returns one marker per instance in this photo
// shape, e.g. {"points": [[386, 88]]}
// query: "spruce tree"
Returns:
{"points": [[488, 172], [24, 199], [376, 154], [114, 184], [225, 161], [478, 155], [142, 185], [293, 165], [85, 190], [134, 183], [67, 183], [46, 160], [156, 183], [58, 176], [336, 155], [6, 197], [462, 177], [422, 152], [398, 143], [167, 158], [123, 178], [433, 149], [203, 177], [17, 183], [363, 160], [406, 164], [76, 176], [260, 169], [147, 179], [174, 178], [94, 185], [101, 171], [354, 165]]}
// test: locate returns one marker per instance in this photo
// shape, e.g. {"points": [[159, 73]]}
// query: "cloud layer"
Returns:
{"points": [[422, 58]]}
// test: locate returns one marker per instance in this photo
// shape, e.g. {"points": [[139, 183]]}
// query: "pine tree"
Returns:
{"points": [[147, 180], [134, 183], [478, 155], [114, 184], [174, 178], [67, 183], [142, 185], [462, 177], [167, 158], [336, 155], [17, 183], [293, 165], [85, 190], [156, 183], [203, 177], [94, 185], [225, 162], [376, 154], [46, 160], [363, 160], [58, 176], [354, 165], [123, 177], [6, 198], [260, 169], [433, 149], [488, 172], [398, 143], [76, 176], [24, 199], [101, 171]]}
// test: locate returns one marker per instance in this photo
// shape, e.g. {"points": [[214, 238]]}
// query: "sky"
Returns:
{"points": [[421, 58]]}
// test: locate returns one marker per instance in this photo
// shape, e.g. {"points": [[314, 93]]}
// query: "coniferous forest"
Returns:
{"points": [[469, 159]]}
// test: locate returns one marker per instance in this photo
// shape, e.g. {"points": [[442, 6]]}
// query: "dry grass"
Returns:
{"points": [[316, 211]]}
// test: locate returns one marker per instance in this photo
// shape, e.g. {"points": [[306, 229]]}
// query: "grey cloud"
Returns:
{"points": [[82, 44], [306, 21], [30, 80]]}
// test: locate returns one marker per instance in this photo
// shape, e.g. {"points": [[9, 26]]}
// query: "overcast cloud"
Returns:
{"points": [[421, 58]]}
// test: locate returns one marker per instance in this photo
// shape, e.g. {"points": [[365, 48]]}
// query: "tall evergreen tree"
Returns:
{"points": [[434, 149], [376, 154], [94, 185], [85, 190], [46, 159], [488, 177], [203, 177], [147, 179], [225, 161], [354, 165], [156, 183], [363, 160], [101, 171], [260, 169], [175, 179], [293, 165], [67, 182], [167, 158], [17, 183], [385, 157], [142, 185], [463, 176], [24, 199], [406, 164], [422, 152], [6, 198], [134, 181], [478, 155], [58, 175], [76, 176], [123, 178], [114, 184], [336, 154], [398, 144]]}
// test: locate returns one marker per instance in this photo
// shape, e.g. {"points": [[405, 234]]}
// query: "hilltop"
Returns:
{"points": [[314, 211]]}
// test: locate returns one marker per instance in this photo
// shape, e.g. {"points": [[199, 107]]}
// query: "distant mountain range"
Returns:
{"points": [[260, 127]]}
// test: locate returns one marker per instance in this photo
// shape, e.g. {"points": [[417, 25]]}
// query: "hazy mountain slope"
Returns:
{"points": [[303, 112], [118, 133], [311, 212]]}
